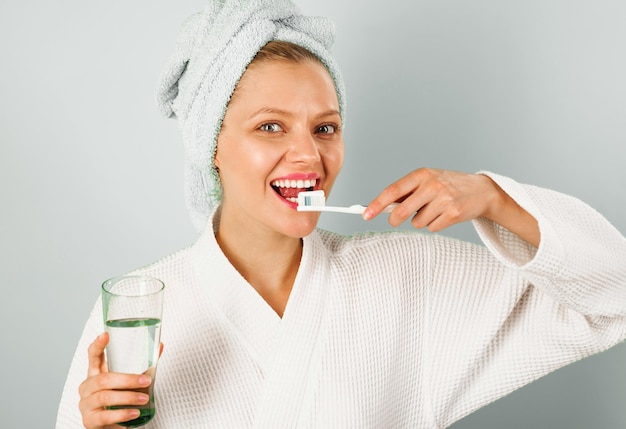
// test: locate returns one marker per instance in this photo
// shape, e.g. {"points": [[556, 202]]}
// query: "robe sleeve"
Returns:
{"points": [[68, 415], [504, 317]]}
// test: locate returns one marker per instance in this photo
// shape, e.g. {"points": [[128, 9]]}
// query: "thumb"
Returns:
{"points": [[97, 362]]}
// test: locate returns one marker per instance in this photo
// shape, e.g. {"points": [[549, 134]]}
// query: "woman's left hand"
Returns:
{"points": [[436, 199]]}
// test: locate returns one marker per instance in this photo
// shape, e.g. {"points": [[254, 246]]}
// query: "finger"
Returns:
{"points": [[437, 224], [161, 346], [392, 193], [95, 408], [425, 217], [442, 212], [96, 354], [398, 191], [113, 381], [105, 418], [114, 398], [418, 202]]}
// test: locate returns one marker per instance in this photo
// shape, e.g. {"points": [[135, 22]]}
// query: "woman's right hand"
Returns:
{"points": [[103, 389]]}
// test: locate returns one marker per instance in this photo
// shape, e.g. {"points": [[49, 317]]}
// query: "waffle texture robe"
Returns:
{"points": [[385, 330]]}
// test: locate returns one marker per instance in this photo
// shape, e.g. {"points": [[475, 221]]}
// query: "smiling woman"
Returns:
{"points": [[282, 127], [270, 322]]}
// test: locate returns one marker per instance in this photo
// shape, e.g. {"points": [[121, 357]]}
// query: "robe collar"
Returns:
{"points": [[283, 347]]}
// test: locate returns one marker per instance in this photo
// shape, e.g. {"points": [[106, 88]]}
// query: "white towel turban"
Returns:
{"points": [[213, 50]]}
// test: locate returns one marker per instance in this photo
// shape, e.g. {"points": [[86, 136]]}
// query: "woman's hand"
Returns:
{"points": [[103, 389], [437, 199]]}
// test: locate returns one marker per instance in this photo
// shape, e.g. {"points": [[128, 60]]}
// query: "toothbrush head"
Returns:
{"points": [[310, 201]]}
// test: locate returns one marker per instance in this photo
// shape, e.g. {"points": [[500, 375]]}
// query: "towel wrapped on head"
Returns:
{"points": [[213, 50]]}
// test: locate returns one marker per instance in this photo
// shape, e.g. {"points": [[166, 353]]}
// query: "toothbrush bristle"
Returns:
{"points": [[311, 198]]}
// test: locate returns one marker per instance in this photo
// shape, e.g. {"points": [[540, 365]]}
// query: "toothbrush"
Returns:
{"points": [[315, 201]]}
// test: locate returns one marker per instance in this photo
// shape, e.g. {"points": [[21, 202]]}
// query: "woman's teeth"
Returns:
{"points": [[294, 183], [289, 189]]}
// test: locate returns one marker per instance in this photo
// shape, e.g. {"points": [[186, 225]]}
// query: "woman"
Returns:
{"points": [[271, 323]]}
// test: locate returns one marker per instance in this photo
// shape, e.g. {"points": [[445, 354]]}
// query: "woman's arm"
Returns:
{"points": [[551, 290], [500, 319], [437, 199]]}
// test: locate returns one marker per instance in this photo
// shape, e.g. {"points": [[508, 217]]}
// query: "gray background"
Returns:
{"points": [[91, 175]]}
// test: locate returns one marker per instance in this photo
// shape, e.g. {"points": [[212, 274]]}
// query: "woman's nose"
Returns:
{"points": [[303, 149]]}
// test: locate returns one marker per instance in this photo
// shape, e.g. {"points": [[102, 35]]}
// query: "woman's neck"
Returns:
{"points": [[269, 261]]}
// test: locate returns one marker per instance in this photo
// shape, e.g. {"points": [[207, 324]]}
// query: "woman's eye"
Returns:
{"points": [[271, 128], [327, 129]]}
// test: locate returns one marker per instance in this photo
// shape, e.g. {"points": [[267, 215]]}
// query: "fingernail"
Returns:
{"points": [[142, 398], [144, 380], [367, 214], [133, 413]]}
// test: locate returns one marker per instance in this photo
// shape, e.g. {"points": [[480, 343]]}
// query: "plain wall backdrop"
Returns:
{"points": [[91, 175]]}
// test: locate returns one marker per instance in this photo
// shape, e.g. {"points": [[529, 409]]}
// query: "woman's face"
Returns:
{"points": [[281, 135]]}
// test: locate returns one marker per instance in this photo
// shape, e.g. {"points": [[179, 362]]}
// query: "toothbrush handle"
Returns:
{"points": [[389, 208], [355, 209], [360, 209]]}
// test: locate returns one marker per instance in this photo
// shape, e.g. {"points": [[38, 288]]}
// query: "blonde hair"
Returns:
{"points": [[278, 50]]}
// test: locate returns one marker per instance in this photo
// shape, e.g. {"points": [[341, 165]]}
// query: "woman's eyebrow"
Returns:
{"points": [[270, 110], [331, 112]]}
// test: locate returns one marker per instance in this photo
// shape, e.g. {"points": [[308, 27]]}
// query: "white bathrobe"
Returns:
{"points": [[386, 330]]}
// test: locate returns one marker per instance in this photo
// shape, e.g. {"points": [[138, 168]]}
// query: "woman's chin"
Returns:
{"points": [[302, 227]]}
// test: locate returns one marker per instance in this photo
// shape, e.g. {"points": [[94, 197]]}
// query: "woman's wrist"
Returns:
{"points": [[505, 211]]}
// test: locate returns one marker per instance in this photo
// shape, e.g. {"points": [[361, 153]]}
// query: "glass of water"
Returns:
{"points": [[132, 307]]}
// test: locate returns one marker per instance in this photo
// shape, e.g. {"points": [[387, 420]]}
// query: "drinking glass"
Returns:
{"points": [[132, 307]]}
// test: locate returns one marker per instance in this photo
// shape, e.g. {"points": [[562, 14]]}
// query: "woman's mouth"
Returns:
{"points": [[289, 189]]}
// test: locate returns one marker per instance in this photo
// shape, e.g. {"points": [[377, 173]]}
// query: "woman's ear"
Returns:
{"points": [[216, 161]]}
